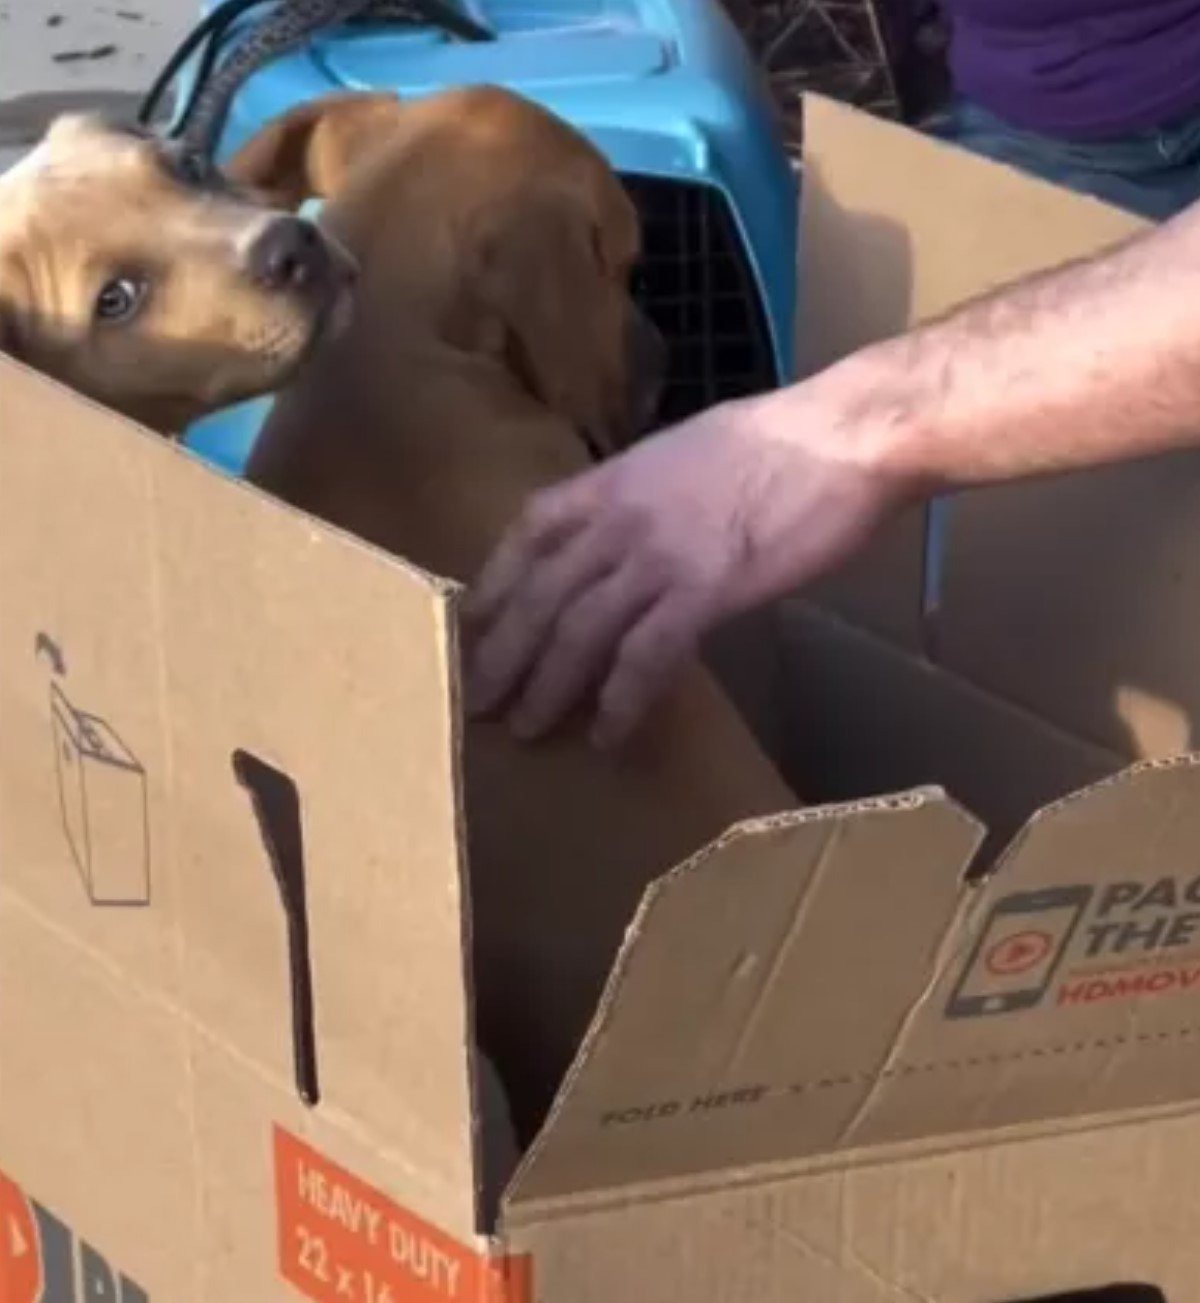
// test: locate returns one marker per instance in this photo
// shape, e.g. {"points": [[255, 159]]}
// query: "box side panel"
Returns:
{"points": [[1016, 1221], [856, 288], [1033, 574], [96, 1123], [80, 638], [299, 1205], [865, 717], [308, 687], [1030, 574], [142, 1159], [1076, 597], [900, 252], [288, 697], [95, 1084], [880, 254], [745, 656]]}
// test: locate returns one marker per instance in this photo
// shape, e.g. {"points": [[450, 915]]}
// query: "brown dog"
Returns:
{"points": [[493, 325], [492, 337]]}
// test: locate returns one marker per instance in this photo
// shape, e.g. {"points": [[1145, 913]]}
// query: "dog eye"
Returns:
{"points": [[120, 299], [187, 165], [191, 168]]}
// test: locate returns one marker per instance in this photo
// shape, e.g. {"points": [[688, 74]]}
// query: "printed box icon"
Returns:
{"points": [[103, 800], [1019, 951]]}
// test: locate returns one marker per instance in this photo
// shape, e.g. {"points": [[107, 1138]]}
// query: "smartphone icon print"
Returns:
{"points": [[1018, 951]]}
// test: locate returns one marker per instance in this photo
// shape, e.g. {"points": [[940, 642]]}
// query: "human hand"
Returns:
{"points": [[609, 580]]}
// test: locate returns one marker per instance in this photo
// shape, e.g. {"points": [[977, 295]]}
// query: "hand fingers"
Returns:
{"points": [[582, 644], [652, 649], [510, 647], [546, 524]]}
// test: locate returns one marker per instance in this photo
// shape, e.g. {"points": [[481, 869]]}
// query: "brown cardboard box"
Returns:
{"points": [[829, 1065]]}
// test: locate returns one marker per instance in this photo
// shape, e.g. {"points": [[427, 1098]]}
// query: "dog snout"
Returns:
{"points": [[287, 254]]}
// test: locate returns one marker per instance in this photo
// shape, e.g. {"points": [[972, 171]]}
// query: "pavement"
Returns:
{"points": [[60, 55]]}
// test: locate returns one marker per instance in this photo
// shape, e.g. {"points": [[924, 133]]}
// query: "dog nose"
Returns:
{"points": [[288, 254]]}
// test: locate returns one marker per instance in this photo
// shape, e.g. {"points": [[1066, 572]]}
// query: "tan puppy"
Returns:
{"points": [[492, 334], [145, 282]]}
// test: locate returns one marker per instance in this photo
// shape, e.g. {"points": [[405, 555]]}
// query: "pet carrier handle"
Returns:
{"points": [[449, 16], [289, 25]]}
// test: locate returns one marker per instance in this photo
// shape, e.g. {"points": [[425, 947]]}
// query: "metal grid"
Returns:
{"points": [[694, 280], [695, 284], [837, 47]]}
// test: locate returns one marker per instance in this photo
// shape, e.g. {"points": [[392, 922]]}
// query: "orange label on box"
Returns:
{"points": [[341, 1241], [20, 1261]]}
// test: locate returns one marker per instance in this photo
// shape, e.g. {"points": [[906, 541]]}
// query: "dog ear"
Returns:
{"points": [[307, 152], [573, 334]]}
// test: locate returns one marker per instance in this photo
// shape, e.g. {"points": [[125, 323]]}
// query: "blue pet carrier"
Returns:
{"points": [[668, 91]]}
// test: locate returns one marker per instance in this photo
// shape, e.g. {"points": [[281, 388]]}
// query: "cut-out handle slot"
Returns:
{"points": [[276, 803], [1108, 1294]]}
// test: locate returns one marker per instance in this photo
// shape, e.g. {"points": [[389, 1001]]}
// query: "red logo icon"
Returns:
{"points": [[1018, 953], [20, 1265]]}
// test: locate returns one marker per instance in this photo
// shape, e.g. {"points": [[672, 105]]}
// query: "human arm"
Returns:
{"points": [[610, 579]]}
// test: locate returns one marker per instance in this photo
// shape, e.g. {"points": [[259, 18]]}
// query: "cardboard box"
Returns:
{"points": [[835, 1061]]}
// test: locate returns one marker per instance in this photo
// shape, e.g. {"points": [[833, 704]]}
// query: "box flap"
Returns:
{"points": [[1071, 991], [824, 983], [853, 289], [880, 254], [1019, 594], [760, 989], [286, 696]]}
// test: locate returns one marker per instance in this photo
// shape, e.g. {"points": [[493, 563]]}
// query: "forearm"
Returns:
{"points": [[1095, 362]]}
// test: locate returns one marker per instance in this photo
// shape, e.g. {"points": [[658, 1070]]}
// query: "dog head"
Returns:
{"points": [[546, 272], [144, 280]]}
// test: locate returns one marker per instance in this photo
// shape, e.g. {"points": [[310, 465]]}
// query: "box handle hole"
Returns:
{"points": [[276, 804], [1108, 1294]]}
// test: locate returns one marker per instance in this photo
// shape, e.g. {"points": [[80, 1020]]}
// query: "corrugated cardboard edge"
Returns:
{"points": [[818, 885]]}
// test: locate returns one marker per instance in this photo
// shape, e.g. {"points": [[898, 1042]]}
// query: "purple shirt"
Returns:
{"points": [[1081, 69]]}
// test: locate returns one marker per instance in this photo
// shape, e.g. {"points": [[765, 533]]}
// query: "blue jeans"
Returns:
{"points": [[1153, 173]]}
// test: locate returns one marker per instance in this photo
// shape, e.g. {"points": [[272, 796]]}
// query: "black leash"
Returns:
{"points": [[289, 25]]}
